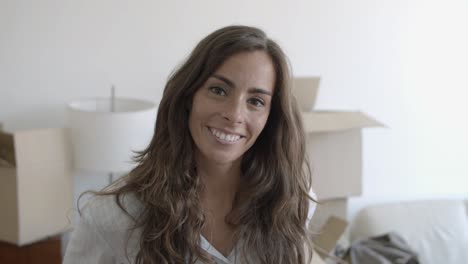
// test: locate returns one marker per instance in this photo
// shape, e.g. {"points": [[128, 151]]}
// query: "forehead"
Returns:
{"points": [[249, 69]]}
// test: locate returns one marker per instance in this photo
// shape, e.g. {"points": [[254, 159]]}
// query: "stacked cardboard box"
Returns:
{"points": [[36, 185], [334, 144]]}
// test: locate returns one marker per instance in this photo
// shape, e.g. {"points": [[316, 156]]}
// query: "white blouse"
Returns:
{"points": [[102, 234]]}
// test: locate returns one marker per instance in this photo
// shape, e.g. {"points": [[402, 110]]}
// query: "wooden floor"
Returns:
{"points": [[44, 252]]}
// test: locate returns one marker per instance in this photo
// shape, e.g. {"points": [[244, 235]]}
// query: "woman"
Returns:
{"points": [[224, 179]]}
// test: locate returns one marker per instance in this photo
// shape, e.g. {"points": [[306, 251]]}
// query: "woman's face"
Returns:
{"points": [[231, 108]]}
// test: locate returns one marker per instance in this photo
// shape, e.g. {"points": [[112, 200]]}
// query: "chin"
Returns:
{"points": [[220, 158]]}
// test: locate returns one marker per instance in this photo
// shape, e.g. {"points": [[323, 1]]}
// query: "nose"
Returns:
{"points": [[233, 112]]}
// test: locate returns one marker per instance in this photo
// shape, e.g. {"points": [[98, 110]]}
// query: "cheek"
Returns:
{"points": [[202, 105], [191, 122], [194, 118], [259, 124], [196, 111]]}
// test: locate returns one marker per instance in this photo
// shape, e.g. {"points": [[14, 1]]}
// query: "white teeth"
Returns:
{"points": [[225, 137]]}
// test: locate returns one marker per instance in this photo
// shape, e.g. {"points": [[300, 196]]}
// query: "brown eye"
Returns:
{"points": [[257, 102], [218, 90]]}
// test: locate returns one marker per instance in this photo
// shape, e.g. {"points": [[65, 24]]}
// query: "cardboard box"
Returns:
{"points": [[316, 259], [36, 185], [326, 209], [329, 235], [334, 143]]}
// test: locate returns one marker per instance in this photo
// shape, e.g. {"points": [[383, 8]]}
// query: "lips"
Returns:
{"points": [[223, 137]]}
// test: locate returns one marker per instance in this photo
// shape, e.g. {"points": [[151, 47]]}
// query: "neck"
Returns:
{"points": [[220, 183]]}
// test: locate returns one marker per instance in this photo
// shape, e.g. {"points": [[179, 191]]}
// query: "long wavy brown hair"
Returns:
{"points": [[270, 209]]}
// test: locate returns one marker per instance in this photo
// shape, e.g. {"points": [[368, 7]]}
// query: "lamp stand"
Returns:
{"points": [[111, 177]]}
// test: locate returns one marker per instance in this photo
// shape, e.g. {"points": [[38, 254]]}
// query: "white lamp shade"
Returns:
{"points": [[105, 140]]}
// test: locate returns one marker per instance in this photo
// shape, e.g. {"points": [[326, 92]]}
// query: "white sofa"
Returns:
{"points": [[437, 230]]}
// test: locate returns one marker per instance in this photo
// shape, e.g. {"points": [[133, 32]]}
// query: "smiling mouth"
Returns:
{"points": [[224, 137]]}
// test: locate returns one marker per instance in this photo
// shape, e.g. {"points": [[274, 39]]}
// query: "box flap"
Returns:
{"points": [[329, 235], [7, 150], [329, 121], [9, 228], [316, 259], [305, 89]]}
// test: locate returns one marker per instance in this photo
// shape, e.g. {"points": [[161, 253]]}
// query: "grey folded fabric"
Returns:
{"points": [[386, 249]]}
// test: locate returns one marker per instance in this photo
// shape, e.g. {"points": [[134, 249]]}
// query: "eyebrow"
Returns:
{"points": [[232, 85]]}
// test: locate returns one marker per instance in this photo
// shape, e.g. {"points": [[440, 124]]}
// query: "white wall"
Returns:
{"points": [[419, 84], [403, 62]]}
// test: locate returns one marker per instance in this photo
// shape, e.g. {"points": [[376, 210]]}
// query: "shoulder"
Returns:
{"points": [[104, 232], [114, 226], [104, 211]]}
